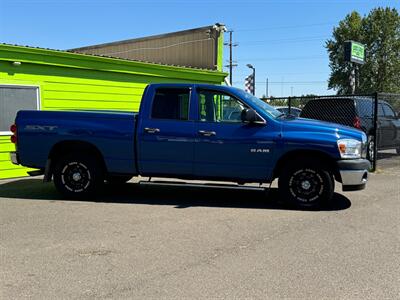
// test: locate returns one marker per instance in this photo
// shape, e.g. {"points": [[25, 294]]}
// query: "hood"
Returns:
{"points": [[314, 126]]}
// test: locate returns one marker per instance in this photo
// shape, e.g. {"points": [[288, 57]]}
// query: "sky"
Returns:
{"points": [[284, 40]]}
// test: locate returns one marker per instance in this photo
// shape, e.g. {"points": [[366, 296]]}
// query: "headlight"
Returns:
{"points": [[349, 148], [364, 146]]}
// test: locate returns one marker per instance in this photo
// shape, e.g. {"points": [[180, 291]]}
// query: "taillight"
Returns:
{"points": [[357, 122], [13, 129], [14, 139]]}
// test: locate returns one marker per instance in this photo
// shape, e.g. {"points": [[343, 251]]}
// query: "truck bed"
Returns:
{"points": [[111, 132]]}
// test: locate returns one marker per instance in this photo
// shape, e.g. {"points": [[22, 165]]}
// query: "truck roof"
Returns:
{"points": [[194, 85]]}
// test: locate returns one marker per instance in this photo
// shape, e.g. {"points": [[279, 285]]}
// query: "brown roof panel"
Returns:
{"points": [[194, 47]]}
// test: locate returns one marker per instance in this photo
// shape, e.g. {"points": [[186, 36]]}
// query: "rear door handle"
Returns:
{"points": [[207, 133], [151, 130]]}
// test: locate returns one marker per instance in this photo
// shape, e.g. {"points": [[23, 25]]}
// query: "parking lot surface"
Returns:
{"points": [[153, 241]]}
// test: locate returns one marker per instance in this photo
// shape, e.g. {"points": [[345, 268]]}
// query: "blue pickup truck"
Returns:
{"points": [[192, 131]]}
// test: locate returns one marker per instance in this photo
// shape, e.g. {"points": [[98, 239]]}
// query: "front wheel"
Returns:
{"points": [[78, 176], [306, 185]]}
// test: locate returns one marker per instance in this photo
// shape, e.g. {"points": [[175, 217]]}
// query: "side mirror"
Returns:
{"points": [[249, 115]]}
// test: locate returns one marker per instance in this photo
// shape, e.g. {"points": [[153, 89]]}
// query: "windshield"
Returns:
{"points": [[259, 104]]}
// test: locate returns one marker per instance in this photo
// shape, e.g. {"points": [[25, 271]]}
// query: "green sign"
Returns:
{"points": [[354, 52], [357, 51]]}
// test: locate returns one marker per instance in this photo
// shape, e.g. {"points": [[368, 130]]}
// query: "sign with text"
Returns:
{"points": [[354, 52]]}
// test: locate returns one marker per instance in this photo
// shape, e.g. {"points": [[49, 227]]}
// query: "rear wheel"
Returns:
{"points": [[306, 185], [78, 176]]}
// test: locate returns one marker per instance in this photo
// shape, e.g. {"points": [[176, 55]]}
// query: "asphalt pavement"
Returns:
{"points": [[155, 241]]}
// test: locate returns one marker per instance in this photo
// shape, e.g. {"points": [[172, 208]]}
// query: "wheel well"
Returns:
{"points": [[67, 147], [300, 155]]}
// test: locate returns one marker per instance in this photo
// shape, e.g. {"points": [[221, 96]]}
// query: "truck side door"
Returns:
{"points": [[165, 133], [225, 146]]}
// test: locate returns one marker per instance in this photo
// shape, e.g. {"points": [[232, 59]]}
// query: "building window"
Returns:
{"points": [[13, 99]]}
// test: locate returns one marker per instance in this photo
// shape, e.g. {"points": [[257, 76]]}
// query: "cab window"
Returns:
{"points": [[215, 106], [171, 104]]}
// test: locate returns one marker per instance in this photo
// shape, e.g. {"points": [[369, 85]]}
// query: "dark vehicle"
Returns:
{"points": [[294, 111], [358, 112]]}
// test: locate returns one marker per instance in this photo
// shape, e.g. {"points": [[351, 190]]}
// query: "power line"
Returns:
{"points": [[287, 82], [285, 58], [287, 27], [300, 39], [268, 43], [287, 73]]}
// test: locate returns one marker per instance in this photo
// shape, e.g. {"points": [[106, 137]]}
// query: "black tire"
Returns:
{"points": [[398, 150], [306, 185], [78, 176], [371, 148], [118, 179]]}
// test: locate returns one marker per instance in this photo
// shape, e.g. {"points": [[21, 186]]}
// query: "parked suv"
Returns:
{"points": [[358, 112], [294, 111]]}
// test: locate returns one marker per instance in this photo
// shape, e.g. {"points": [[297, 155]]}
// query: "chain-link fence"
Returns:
{"points": [[378, 115]]}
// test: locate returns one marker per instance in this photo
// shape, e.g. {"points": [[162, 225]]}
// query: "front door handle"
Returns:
{"points": [[207, 133], [151, 130]]}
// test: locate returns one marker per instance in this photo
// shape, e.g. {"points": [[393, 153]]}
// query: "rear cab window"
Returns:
{"points": [[171, 104], [329, 109]]}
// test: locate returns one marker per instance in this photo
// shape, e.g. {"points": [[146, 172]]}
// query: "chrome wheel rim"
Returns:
{"points": [[76, 177], [371, 150], [306, 185]]}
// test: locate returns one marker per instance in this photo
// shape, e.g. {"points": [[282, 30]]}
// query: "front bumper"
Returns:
{"points": [[14, 158], [354, 173]]}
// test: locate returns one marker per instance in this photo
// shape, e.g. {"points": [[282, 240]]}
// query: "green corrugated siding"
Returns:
{"points": [[7, 169], [220, 52], [75, 81]]}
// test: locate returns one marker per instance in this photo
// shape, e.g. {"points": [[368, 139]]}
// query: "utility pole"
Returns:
{"points": [[231, 63], [266, 88]]}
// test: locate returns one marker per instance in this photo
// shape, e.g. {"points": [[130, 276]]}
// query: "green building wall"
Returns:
{"points": [[75, 81]]}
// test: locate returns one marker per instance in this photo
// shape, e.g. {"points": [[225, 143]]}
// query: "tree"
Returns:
{"points": [[379, 31]]}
